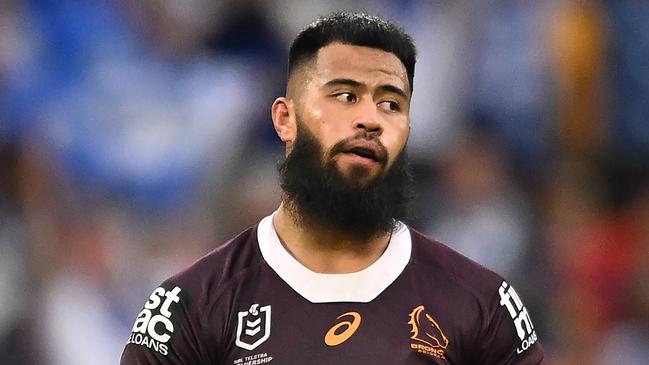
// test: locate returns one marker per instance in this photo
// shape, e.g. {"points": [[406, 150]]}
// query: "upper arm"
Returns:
{"points": [[509, 336], [166, 331]]}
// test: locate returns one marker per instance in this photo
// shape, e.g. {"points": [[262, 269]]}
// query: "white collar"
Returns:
{"points": [[362, 286]]}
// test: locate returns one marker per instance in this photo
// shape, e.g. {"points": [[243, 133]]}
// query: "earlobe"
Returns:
{"points": [[282, 113]]}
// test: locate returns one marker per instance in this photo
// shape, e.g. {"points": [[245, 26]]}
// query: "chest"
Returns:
{"points": [[269, 323]]}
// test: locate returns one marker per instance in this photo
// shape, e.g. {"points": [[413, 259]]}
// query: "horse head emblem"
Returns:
{"points": [[426, 330]]}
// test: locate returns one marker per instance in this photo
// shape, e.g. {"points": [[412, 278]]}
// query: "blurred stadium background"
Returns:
{"points": [[135, 135]]}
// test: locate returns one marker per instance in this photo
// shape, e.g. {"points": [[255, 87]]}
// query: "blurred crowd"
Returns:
{"points": [[135, 135]]}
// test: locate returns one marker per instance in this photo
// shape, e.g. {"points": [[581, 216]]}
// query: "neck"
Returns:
{"points": [[324, 250]]}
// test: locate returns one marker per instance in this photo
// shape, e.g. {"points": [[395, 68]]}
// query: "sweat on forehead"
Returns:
{"points": [[354, 29], [359, 66]]}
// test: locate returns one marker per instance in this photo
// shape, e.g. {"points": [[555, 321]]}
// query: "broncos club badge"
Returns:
{"points": [[426, 334]]}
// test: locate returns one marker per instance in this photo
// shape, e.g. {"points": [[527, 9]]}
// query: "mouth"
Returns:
{"points": [[366, 151], [363, 152]]}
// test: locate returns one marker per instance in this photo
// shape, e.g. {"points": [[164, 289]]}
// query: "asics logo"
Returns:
{"points": [[334, 337]]}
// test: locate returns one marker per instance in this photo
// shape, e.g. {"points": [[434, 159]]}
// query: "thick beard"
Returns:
{"points": [[318, 195]]}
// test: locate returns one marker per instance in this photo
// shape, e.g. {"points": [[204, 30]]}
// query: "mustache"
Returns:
{"points": [[344, 145]]}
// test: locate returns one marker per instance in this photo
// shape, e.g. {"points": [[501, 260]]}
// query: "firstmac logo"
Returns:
{"points": [[517, 311], [153, 327]]}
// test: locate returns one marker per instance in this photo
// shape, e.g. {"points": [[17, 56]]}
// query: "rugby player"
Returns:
{"points": [[333, 276]]}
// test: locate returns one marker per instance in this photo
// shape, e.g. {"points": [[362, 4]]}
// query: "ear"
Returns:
{"points": [[283, 114]]}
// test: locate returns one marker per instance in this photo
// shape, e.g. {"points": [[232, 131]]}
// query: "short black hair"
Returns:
{"points": [[355, 29]]}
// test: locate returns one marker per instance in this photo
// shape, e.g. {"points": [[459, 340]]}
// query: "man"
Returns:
{"points": [[333, 276]]}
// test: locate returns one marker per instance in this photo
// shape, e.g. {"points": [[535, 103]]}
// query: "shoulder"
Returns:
{"points": [[442, 261], [502, 331], [171, 326], [210, 273]]}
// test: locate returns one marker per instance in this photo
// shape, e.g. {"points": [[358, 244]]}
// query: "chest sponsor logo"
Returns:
{"points": [[426, 335], [253, 327], [153, 327], [517, 311], [343, 330]]}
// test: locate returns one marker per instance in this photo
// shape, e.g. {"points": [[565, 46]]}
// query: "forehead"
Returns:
{"points": [[364, 64]]}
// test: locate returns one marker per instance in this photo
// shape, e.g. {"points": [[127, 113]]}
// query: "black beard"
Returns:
{"points": [[317, 194]]}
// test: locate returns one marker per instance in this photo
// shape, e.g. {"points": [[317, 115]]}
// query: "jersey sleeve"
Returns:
{"points": [[509, 336], [166, 331]]}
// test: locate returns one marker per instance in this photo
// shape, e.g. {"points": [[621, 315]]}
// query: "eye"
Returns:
{"points": [[346, 97], [389, 106]]}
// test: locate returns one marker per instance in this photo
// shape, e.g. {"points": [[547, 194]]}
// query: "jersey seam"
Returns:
{"points": [[222, 288]]}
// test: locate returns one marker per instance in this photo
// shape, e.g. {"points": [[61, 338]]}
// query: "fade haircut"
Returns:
{"points": [[356, 29]]}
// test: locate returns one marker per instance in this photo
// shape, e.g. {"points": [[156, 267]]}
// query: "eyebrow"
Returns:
{"points": [[353, 83], [343, 82], [395, 90]]}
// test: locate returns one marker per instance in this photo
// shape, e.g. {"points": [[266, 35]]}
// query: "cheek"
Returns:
{"points": [[317, 117], [398, 138], [327, 127]]}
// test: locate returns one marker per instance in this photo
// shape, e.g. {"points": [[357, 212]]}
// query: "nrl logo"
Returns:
{"points": [[429, 336], [253, 327]]}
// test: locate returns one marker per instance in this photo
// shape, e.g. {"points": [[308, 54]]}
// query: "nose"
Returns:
{"points": [[368, 119]]}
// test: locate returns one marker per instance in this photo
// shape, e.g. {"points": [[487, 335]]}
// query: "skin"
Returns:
{"points": [[344, 91]]}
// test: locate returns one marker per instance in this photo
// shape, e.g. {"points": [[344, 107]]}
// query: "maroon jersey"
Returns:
{"points": [[250, 302]]}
